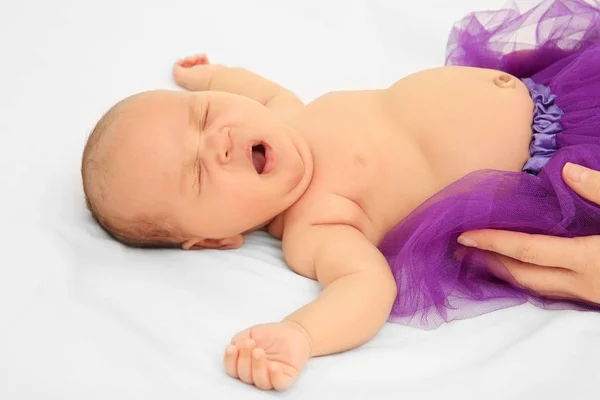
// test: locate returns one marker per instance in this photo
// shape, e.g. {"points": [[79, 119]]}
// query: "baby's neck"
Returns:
{"points": [[275, 227]]}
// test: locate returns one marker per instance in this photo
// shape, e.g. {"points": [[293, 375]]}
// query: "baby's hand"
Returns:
{"points": [[195, 72], [268, 356], [192, 61]]}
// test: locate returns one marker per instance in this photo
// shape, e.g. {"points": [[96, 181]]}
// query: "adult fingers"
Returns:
{"points": [[584, 181], [547, 251], [544, 281]]}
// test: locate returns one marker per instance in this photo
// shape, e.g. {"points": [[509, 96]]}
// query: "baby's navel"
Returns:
{"points": [[504, 81]]}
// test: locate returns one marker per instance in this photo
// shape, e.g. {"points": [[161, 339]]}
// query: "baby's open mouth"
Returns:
{"points": [[259, 157]]}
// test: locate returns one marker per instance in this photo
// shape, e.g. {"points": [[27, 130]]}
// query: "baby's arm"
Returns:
{"points": [[358, 293], [195, 73], [358, 290]]}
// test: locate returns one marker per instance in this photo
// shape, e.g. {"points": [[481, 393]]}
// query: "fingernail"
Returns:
{"points": [[576, 173], [230, 349], [465, 241]]}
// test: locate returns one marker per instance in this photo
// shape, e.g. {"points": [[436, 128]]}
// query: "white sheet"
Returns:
{"points": [[84, 318]]}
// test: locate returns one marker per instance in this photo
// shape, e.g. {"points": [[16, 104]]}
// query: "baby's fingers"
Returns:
{"points": [[198, 59], [244, 364], [279, 380], [231, 360], [260, 375]]}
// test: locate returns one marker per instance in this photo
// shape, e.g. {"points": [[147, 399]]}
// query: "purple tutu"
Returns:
{"points": [[555, 48]]}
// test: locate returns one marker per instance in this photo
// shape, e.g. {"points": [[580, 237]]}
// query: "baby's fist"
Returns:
{"points": [[195, 73], [268, 356], [192, 61]]}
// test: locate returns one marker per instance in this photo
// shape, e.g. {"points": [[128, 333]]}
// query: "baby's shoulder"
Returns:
{"points": [[307, 217]]}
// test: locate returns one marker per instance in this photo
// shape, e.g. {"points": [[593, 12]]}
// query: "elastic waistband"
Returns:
{"points": [[545, 127]]}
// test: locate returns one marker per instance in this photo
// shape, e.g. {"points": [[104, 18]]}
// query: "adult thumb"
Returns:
{"points": [[584, 181]]}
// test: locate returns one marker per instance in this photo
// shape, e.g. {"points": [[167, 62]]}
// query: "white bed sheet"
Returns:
{"points": [[83, 317]]}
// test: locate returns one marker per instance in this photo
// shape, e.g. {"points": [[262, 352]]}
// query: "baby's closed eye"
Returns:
{"points": [[204, 121]]}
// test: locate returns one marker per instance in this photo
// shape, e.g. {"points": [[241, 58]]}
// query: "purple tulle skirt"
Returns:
{"points": [[555, 48]]}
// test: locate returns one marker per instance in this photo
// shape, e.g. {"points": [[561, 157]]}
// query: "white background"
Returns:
{"points": [[84, 318]]}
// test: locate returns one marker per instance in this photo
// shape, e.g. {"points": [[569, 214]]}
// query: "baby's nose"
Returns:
{"points": [[224, 147]]}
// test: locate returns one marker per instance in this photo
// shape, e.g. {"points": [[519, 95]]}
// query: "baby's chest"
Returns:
{"points": [[356, 157], [356, 142], [363, 164]]}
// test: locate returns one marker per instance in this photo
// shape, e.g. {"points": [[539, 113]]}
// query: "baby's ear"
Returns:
{"points": [[233, 242]]}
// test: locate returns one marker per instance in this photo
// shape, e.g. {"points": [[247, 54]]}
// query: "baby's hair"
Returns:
{"points": [[139, 231]]}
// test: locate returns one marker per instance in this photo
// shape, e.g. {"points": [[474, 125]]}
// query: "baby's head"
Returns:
{"points": [[191, 169]]}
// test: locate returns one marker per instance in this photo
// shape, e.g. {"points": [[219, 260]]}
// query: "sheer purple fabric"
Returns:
{"points": [[557, 45]]}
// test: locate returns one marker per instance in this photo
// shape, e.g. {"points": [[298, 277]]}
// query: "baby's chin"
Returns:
{"points": [[258, 227]]}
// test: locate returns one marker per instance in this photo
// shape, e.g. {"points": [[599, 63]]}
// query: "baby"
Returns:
{"points": [[340, 181]]}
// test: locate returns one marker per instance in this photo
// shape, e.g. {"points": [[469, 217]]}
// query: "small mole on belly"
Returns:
{"points": [[359, 159]]}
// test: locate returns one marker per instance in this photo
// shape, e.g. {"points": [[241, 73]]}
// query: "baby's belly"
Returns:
{"points": [[459, 121], [463, 121]]}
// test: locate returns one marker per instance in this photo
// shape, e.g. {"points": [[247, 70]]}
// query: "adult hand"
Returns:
{"points": [[566, 268]]}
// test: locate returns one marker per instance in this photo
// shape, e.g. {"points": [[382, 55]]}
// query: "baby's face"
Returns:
{"points": [[215, 165]]}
